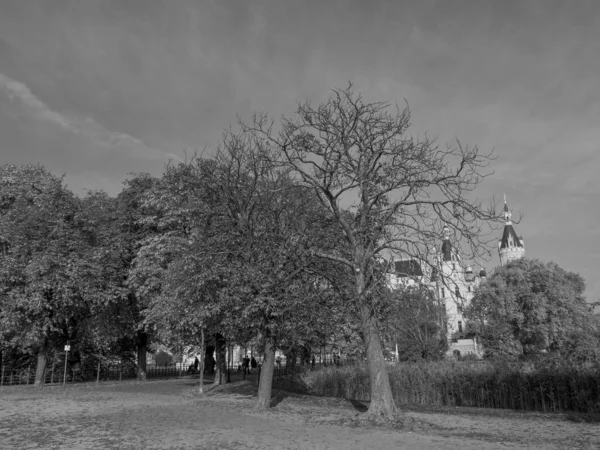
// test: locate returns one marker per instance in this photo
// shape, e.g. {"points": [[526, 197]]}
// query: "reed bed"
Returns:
{"points": [[517, 386]]}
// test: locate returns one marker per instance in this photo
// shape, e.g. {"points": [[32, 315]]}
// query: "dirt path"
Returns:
{"points": [[168, 414]]}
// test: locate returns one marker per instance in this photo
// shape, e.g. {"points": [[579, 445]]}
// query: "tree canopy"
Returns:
{"points": [[390, 194], [278, 237], [529, 306]]}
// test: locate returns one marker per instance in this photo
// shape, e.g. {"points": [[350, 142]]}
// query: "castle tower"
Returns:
{"points": [[455, 285], [510, 247]]}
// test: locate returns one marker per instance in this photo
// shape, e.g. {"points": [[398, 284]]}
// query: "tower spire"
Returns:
{"points": [[507, 213], [510, 246]]}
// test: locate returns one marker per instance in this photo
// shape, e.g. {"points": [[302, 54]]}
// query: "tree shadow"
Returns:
{"points": [[359, 405], [583, 417], [280, 396]]}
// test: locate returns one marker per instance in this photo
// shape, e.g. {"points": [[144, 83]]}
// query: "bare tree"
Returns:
{"points": [[389, 192]]}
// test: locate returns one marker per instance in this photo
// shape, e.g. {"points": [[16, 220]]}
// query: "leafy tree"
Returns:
{"points": [[111, 327], [232, 252], [529, 306], [131, 228], [388, 192], [415, 323], [48, 279]]}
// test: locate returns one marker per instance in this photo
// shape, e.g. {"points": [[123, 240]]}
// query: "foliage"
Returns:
{"points": [[49, 265], [162, 358], [231, 249], [65, 262], [529, 307], [414, 322]]}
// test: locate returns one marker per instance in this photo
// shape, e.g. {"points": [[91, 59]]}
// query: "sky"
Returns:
{"points": [[98, 89]]}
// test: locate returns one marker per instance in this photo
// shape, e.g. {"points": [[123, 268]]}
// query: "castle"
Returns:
{"points": [[454, 283]]}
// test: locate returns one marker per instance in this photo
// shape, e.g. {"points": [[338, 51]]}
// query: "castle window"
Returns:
{"points": [[443, 292], [469, 288], [460, 326]]}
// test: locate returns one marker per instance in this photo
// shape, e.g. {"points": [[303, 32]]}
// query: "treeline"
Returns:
{"points": [[529, 308], [280, 237], [206, 249]]}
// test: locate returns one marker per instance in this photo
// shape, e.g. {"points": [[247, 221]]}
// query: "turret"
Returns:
{"points": [[446, 245], [510, 246], [469, 274]]}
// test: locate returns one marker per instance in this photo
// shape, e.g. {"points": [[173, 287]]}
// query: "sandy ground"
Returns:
{"points": [[170, 414]]}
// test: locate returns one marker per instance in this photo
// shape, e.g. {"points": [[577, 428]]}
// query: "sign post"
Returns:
{"points": [[67, 349]]}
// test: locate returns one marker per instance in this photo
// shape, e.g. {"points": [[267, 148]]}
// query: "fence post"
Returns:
{"points": [[98, 372], [29, 374], [2, 379], [65, 374], [121, 371]]}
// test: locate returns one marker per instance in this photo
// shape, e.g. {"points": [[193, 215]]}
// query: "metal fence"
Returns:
{"points": [[56, 373], [115, 371], [10, 377]]}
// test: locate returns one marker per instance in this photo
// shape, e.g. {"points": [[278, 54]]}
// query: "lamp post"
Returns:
{"points": [[67, 348]]}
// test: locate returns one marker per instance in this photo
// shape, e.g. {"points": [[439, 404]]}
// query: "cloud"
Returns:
{"points": [[85, 127], [18, 91]]}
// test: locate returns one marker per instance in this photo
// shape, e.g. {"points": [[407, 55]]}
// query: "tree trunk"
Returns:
{"points": [[142, 349], [202, 360], [208, 356], [290, 361], [266, 377], [40, 371], [382, 401], [220, 369]]}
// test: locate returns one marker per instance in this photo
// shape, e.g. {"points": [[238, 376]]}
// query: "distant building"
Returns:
{"points": [[454, 283], [510, 246]]}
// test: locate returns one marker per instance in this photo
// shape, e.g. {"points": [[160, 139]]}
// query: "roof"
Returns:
{"points": [[408, 268], [509, 232]]}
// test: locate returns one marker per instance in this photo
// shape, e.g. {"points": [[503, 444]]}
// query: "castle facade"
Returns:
{"points": [[454, 283]]}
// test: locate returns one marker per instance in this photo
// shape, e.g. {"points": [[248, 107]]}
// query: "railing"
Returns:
{"points": [[10, 376], [104, 372], [111, 371]]}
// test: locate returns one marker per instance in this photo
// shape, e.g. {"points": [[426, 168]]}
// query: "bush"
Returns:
{"points": [[162, 358], [547, 386]]}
